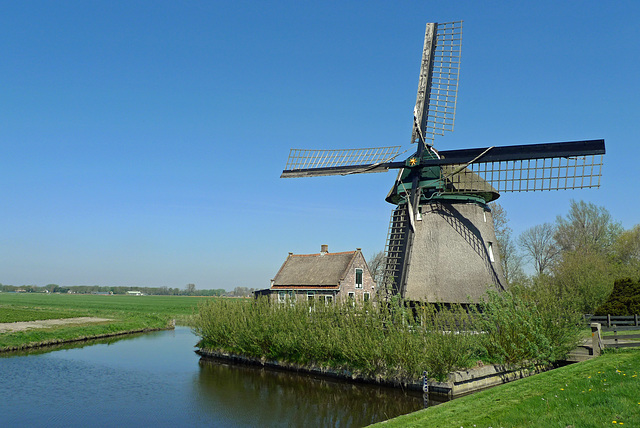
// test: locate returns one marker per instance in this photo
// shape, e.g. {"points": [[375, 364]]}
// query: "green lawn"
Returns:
{"points": [[14, 314], [176, 306], [128, 313], [601, 392]]}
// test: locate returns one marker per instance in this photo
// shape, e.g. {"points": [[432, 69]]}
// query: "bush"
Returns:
{"points": [[391, 341], [623, 300], [529, 326], [385, 341]]}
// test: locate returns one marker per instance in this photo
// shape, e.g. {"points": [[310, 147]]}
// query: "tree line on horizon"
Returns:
{"points": [[188, 290]]}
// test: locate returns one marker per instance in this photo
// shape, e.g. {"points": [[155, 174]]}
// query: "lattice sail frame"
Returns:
{"points": [[442, 91], [525, 175], [302, 159]]}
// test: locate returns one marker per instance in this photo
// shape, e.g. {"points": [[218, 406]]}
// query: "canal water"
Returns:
{"points": [[156, 379]]}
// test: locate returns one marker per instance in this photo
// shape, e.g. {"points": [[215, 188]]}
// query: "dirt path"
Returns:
{"points": [[10, 327]]}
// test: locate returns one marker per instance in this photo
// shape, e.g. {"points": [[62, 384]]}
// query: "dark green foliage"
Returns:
{"points": [[623, 300]]}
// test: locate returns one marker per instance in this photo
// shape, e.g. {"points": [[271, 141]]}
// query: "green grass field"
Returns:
{"points": [[128, 313], [601, 392]]}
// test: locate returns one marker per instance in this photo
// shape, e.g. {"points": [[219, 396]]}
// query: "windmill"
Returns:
{"points": [[441, 243]]}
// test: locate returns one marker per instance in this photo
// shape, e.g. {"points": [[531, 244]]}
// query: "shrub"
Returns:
{"points": [[391, 341], [529, 326], [623, 300], [385, 341]]}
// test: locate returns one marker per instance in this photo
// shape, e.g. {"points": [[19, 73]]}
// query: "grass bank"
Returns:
{"points": [[601, 392], [127, 313]]}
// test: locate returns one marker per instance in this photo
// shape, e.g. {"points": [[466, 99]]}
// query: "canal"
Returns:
{"points": [[156, 379]]}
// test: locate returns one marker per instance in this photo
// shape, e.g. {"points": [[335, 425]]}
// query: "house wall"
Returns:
{"points": [[302, 295], [349, 283]]}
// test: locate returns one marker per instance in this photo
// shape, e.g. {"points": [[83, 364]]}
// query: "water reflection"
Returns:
{"points": [[155, 379], [280, 398], [70, 345]]}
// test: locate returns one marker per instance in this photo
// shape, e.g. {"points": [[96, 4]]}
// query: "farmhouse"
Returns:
{"points": [[324, 276]]}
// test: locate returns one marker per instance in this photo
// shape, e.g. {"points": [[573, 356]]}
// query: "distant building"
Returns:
{"points": [[323, 277], [134, 293]]}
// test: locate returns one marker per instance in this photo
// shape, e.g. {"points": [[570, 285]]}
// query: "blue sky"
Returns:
{"points": [[141, 142]]}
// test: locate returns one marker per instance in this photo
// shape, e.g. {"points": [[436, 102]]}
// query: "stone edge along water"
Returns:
{"points": [[458, 383]]}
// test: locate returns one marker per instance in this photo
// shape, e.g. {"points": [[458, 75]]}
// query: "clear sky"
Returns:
{"points": [[141, 142]]}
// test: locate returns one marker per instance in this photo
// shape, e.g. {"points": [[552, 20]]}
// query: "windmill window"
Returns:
{"points": [[359, 278], [366, 297], [491, 252], [352, 295]]}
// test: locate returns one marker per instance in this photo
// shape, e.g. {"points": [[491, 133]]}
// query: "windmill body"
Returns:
{"points": [[453, 256], [441, 245]]}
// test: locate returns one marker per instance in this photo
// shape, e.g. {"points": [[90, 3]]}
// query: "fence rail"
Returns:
{"points": [[618, 323], [609, 321]]}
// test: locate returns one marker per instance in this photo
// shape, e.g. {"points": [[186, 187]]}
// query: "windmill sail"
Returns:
{"points": [[437, 96], [526, 168], [434, 112], [441, 243], [315, 163]]}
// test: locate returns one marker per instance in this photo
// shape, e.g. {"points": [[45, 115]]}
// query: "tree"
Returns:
{"points": [[624, 299], [510, 259], [540, 247], [191, 289], [376, 266], [242, 291], [626, 253], [587, 228], [584, 278]]}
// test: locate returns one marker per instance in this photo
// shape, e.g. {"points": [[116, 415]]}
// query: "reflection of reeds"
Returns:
{"points": [[387, 341], [283, 398]]}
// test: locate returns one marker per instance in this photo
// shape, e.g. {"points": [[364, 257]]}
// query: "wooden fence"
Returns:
{"points": [[609, 321], [616, 324]]}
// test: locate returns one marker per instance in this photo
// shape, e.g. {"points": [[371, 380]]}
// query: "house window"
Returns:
{"points": [[358, 278], [491, 252], [328, 299], [366, 297], [310, 295], [282, 296]]}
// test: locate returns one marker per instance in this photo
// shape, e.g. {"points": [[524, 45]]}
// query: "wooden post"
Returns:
{"points": [[608, 321], [596, 339], [635, 319]]}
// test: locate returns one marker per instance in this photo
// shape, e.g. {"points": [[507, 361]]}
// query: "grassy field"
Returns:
{"points": [[601, 392], [128, 313]]}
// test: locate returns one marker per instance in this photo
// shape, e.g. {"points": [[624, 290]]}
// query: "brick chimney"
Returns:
{"points": [[324, 249]]}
